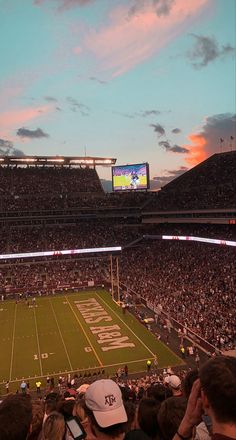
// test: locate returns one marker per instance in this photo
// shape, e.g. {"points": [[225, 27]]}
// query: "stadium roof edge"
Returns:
{"points": [[57, 160]]}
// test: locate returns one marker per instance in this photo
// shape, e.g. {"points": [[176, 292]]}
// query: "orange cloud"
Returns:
{"points": [[207, 140], [129, 40], [197, 152]]}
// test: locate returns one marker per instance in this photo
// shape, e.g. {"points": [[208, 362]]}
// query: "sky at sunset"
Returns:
{"points": [[137, 80]]}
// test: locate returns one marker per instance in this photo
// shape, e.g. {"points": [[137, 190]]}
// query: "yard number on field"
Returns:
{"points": [[43, 356]]}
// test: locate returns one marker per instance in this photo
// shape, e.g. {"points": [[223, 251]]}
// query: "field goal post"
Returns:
{"points": [[115, 278]]}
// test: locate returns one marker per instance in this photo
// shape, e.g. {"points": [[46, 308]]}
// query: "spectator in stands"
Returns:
{"points": [[170, 414], [37, 420], [105, 409], [188, 382], [174, 384], [215, 394], [15, 417], [54, 427], [147, 416], [51, 403]]}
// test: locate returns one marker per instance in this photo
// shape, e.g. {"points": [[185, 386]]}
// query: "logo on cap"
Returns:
{"points": [[110, 399]]}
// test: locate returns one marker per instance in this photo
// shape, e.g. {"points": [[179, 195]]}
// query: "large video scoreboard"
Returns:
{"points": [[130, 177]]}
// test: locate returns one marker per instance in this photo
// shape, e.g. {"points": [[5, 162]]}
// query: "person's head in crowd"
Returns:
{"points": [[147, 416], [15, 417], [51, 403], [131, 411], [174, 384], [189, 379], [37, 420], [54, 427], [170, 415], [79, 410], [218, 392], [126, 393], [141, 393], [65, 407], [158, 391], [105, 409]]}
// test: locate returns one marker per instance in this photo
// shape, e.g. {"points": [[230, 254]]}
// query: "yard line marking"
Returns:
{"points": [[13, 343], [63, 342], [90, 343], [140, 340], [37, 337]]}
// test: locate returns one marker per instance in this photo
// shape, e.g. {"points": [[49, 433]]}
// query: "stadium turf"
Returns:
{"points": [[84, 331]]}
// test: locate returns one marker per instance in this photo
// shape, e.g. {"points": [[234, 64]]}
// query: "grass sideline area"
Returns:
{"points": [[78, 332]]}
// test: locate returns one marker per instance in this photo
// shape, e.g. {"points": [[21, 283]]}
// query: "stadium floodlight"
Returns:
{"points": [[199, 239], [23, 159], [58, 253], [55, 160]]}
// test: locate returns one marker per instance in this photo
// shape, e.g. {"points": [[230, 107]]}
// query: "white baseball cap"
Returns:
{"points": [[104, 398], [174, 381]]}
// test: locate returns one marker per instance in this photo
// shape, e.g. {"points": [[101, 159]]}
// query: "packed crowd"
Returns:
{"points": [[47, 188], [193, 283], [106, 232], [82, 235], [209, 185], [201, 406]]}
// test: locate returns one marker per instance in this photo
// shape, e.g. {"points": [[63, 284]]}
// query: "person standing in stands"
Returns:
{"points": [[182, 350], [7, 386], [149, 363], [214, 394], [38, 387], [23, 386]]}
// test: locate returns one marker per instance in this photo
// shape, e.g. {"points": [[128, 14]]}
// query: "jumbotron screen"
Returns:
{"points": [[130, 177]]}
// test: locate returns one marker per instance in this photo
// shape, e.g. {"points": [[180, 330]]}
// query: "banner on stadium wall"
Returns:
{"points": [[200, 239], [59, 253]]}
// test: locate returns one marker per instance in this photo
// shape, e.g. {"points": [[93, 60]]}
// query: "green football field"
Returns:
{"points": [[84, 331]]}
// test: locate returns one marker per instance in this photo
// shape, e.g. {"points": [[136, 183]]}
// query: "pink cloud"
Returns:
{"points": [[131, 39], [77, 50], [11, 120]]}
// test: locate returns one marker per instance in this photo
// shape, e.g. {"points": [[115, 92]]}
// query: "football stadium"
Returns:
{"points": [[117, 220], [133, 285], [124, 255]]}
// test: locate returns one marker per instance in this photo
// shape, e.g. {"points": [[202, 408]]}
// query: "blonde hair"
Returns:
{"points": [[80, 410], [54, 427]]}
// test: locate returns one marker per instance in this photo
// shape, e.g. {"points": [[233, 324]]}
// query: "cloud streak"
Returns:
{"points": [[131, 38], [206, 49], [158, 129], [64, 5], [7, 148], [77, 106], [161, 7], [173, 148], [161, 181], [9, 120], [32, 134]]}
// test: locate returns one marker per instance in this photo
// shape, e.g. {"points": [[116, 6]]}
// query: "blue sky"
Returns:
{"points": [[138, 80]]}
